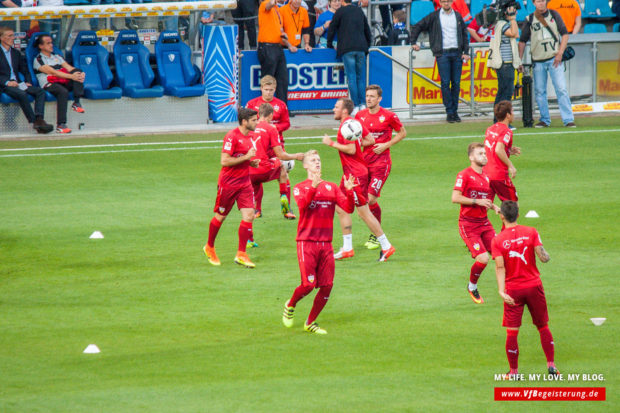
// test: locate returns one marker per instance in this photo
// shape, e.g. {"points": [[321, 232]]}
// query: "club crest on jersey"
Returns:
{"points": [[311, 278], [328, 187], [477, 246], [381, 118], [276, 107]]}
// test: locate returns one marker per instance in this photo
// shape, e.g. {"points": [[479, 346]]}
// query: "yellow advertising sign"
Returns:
{"points": [[608, 78], [485, 82]]}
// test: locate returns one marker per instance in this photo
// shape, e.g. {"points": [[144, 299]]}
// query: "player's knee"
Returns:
{"points": [[541, 327], [483, 258], [326, 290]]}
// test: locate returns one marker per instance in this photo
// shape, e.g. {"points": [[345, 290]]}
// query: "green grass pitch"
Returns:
{"points": [[178, 335]]}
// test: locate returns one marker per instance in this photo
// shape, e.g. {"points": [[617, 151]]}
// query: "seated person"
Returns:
{"points": [[58, 77], [12, 64], [399, 35], [323, 21]]}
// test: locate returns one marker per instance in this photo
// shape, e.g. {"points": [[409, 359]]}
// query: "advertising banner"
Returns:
{"points": [[316, 79], [220, 71]]}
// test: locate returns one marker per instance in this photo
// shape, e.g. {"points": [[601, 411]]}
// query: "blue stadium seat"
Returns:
{"points": [[475, 6], [525, 10], [616, 28], [133, 70], [176, 72], [595, 28], [92, 58], [597, 9], [32, 52], [4, 98], [420, 9]]}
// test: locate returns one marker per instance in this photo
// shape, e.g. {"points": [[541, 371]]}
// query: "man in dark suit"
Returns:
{"points": [[12, 64]]}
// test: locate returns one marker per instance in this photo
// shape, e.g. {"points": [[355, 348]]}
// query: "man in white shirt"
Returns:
{"points": [[449, 44]]}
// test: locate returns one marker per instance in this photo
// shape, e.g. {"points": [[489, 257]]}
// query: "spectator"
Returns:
{"points": [[570, 12], [296, 25], [12, 65], [9, 4], [58, 77], [310, 6], [504, 56], [399, 35], [271, 39], [324, 20], [244, 17], [482, 27], [352, 47], [384, 10], [448, 39], [548, 39], [458, 6]]}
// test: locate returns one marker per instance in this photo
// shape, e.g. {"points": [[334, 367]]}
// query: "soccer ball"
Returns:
{"points": [[288, 165], [351, 130]]}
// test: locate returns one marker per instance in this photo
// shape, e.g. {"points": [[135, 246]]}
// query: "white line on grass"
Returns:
{"points": [[304, 138]]}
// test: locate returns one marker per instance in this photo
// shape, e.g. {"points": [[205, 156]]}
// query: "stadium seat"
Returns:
{"points": [[616, 28], [420, 9], [525, 10], [476, 6], [32, 52], [92, 58], [133, 70], [176, 72], [597, 9], [595, 28]]}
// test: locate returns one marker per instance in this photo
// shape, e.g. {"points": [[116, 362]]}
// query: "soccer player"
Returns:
{"points": [[266, 141], [281, 122], [234, 185], [498, 147], [317, 200], [380, 122], [353, 163], [473, 192], [515, 250]]}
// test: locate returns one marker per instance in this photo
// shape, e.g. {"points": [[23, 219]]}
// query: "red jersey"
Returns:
{"points": [[317, 207], [517, 246], [280, 113], [353, 164], [264, 138], [236, 144], [476, 186], [381, 125], [495, 169], [485, 33]]}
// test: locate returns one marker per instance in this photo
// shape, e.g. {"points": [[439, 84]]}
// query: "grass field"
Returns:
{"points": [[178, 335]]}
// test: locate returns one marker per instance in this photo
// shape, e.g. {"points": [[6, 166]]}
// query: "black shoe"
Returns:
{"points": [[456, 118], [450, 118], [553, 371], [571, 125], [541, 124], [42, 127]]}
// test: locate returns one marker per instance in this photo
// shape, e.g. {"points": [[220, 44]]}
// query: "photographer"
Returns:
{"points": [[549, 39], [504, 54]]}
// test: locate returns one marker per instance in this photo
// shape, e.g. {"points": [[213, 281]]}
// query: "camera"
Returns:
{"points": [[503, 5]]}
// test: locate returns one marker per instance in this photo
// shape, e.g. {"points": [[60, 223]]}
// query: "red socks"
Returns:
{"points": [[285, 189], [319, 302], [512, 350], [245, 233], [299, 293], [546, 340], [476, 270], [258, 196], [376, 210], [214, 228]]}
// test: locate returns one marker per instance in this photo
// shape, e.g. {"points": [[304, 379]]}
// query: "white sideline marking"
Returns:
{"points": [[187, 148]]}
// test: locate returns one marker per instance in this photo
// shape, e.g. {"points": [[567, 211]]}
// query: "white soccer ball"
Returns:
{"points": [[351, 130], [288, 165]]}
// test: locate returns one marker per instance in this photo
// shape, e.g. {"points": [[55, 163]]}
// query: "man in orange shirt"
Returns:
{"points": [[271, 39], [296, 24], [570, 12]]}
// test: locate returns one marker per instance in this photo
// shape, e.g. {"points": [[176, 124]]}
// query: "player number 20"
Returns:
{"points": [[376, 184]]}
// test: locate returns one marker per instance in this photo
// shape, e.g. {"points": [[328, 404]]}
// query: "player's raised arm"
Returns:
{"points": [[349, 148], [285, 156], [346, 200], [459, 198], [228, 160]]}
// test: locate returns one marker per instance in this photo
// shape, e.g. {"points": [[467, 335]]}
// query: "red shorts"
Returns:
{"points": [[360, 190], [266, 174], [316, 263], [477, 236], [534, 298], [227, 196], [505, 190], [377, 175]]}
